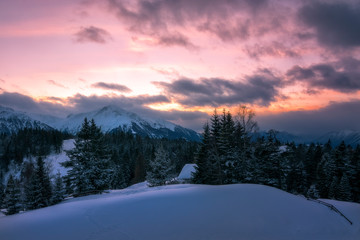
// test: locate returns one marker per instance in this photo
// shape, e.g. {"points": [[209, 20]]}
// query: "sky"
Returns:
{"points": [[295, 63]]}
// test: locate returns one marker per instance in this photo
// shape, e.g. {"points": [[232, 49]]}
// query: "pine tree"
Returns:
{"points": [[2, 191], [161, 169], [344, 193], [334, 188], [89, 162], [202, 174], [39, 191], [12, 201], [59, 190], [313, 192]]}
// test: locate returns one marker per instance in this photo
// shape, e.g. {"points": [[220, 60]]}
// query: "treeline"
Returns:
{"points": [[29, 142], [99, 161], [228, 155]]}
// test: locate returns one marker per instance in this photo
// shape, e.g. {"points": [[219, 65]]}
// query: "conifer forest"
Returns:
{"points": [[228, 153]]}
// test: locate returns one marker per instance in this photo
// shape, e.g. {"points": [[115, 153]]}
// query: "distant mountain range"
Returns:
{"points": [[109, 118], [112, 118], [11, 121], [349, 137]]}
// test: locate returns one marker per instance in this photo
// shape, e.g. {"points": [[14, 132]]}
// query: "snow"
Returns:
{"points": [[186, 172], [55, 160], [241, 211]]}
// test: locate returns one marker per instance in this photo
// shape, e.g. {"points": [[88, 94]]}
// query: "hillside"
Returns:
{"points": [[241, 211]]}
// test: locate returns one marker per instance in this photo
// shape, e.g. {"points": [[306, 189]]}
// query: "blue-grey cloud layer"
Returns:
{"points": [[260, 88]]}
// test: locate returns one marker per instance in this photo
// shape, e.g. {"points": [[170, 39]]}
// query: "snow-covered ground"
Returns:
{"points": [[241, 211], [54, 160]]}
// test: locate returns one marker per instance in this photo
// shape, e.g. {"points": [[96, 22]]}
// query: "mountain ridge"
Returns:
{"points": [[108, 118]]}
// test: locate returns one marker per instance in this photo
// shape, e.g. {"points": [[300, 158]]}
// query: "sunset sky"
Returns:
{"points": [[296, 63]]}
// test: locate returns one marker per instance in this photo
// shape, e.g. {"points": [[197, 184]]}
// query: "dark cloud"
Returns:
{"points": [[112, 86], [18, 101], [161, 19], [56, 83], [260, 88], [175, 39], [2, 80], [335, 24], [92, 34], [343, 76], [274, 49], [336, 116]]}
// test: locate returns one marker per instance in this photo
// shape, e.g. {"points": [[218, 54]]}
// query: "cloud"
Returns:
{"points": [[2, 80], [336, 116], [260, 88], [335, 24], [112, 86], [92, 34], [166, 20], [56, 84], [273, 49], [342, 76], [175, 39]]}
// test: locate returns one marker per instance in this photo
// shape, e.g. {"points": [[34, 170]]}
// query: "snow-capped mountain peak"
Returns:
{"points": [[109, 118], [12, 121]]}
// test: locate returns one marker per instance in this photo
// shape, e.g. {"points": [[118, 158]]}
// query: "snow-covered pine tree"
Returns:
{"points": [[59, 191], [89, 161], [39, 191], [2, 191], [12, 201], [344, 189], [313, 192], [161, 168], [334, 188], [101, 170], [229, 157], [202, 174]]}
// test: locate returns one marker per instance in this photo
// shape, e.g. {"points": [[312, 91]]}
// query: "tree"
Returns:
{"points": [[39, 191], [161, 168], [59, 191], [202, 174], [344, 193], [12, 197], [89, 162]]}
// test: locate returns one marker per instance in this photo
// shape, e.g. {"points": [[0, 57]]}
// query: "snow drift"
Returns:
{"points": [[241, 211]]}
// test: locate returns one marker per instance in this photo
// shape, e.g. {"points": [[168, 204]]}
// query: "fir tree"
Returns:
{"points": [[313, 192], [89, 161], [334, 188], [344, 189], [59, 191], [12, 201], [39, 191], [161, 169], [202, 174]]}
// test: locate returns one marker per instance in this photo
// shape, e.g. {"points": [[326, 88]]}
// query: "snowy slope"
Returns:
{"points": [[186, 212], [55, 160], [12, 121]]}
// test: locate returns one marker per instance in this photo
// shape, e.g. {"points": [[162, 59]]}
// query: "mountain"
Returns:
{"points": [[12, 121], [348, 136], [109, 118], [185, 211]]}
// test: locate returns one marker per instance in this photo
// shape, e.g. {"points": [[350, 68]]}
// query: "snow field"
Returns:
{"points": [[241, 211]]}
